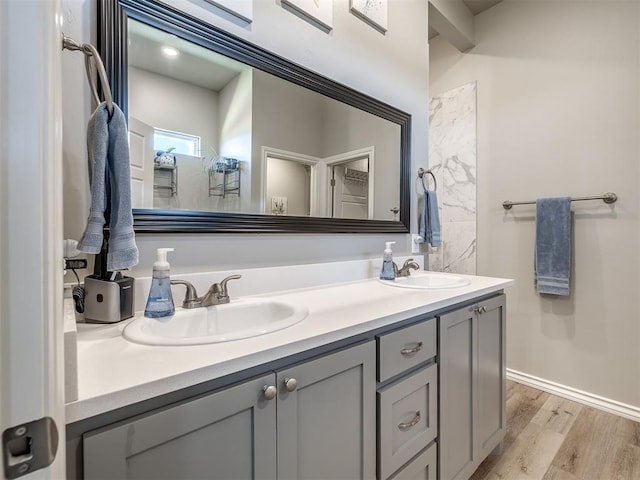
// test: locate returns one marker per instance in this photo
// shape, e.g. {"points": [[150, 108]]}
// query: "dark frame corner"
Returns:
{"points": [[112, 42]]}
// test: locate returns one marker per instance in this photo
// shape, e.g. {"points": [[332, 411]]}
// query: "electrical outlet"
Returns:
{"points": [[75, 264], [416, 240]]}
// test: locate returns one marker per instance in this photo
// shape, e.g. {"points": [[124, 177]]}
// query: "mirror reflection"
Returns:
{"points": [[208, 133]]}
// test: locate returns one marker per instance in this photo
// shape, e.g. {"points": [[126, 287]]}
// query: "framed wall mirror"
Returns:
{"points": [[226, 137]]}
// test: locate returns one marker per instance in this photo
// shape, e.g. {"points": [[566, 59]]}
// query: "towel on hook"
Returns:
{"points": [[553, 245], [430, 219], [108, 149]]}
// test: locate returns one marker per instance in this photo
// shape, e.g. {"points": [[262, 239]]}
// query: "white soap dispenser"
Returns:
{"points": [[160, 300], [387, 272]]}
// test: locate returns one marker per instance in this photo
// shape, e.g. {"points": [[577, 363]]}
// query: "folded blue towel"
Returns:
{"points": [[430, 219], [108, 148], [553, 245]]}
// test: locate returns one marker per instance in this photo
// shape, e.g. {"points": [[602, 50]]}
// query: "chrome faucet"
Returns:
{"points": [[216, 295], [405, 271]]}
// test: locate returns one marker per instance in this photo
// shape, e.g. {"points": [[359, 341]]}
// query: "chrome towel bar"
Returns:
{"points": [[606, 198]]}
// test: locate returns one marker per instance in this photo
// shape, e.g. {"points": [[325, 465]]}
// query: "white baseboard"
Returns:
{"points": [[586, 398]]}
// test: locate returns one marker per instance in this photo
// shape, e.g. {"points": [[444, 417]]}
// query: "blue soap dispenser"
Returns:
{"points": [[160, 301], [387, 272]]}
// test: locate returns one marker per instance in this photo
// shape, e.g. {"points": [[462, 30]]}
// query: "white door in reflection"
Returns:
{"points": [[350, 191], [350, 186], [141, 157]]}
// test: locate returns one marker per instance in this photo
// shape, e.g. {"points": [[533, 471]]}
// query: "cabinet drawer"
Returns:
{"points": [[423, 467], [408, 418], [406, 348]]}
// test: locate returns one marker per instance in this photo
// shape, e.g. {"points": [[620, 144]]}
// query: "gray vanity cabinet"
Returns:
{"points": [[472, 386], [230, 434], [319, 423]]}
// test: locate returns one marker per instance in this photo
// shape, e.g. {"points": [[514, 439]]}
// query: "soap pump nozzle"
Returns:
{"points": [[161, 262], [388, 247]]}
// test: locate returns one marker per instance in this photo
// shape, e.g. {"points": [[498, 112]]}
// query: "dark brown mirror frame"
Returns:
{"points": [[112, 45]]}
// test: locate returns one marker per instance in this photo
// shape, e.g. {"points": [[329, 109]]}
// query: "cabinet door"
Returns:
{"points": [[230, 434], [457, 408], [327, 417], [472, 386], [491, 393]]}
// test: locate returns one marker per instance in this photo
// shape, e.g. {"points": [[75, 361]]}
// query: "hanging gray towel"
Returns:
{"points": [[108, 148], [553, 245], [430, 219]]}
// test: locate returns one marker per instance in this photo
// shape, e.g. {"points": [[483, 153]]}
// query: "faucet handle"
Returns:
{"points": [[190, 296], [221, 287], [411, 263], [219, 290]]}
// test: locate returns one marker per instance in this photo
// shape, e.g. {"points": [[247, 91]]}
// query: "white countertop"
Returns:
{"points": [[114, 372]]}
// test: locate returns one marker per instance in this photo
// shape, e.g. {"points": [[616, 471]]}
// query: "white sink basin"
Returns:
{"points": [[428, 281], [242, 318]]}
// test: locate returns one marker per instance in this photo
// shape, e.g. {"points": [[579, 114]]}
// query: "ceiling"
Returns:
{"points": [[194, 64], [474, 6]]}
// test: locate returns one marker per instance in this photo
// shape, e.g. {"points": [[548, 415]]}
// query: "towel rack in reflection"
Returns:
{"points": [[421, 172], [90, 53], [606, 198]]}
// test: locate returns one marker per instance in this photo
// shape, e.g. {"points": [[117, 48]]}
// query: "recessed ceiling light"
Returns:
{"points": [[170, 51]]}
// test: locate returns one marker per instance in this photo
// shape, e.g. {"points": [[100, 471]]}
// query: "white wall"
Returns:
{"points": [[289, 179], [234, 119], [170, 104], [558, 114], [391, 67], [286, 117]]}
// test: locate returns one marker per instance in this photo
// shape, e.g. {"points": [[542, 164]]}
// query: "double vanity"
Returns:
{"points": [[358, 379]]}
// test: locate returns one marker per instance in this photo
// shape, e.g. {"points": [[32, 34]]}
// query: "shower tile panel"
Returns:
{"points": [[453, 160], [459, 255]]}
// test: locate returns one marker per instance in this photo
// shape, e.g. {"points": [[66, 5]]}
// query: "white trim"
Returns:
{"points": [[313, 162], [366, 152], [31, 268], [586, 398]]}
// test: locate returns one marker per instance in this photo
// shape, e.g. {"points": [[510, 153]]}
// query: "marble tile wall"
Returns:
{"points": [[453, 159]]}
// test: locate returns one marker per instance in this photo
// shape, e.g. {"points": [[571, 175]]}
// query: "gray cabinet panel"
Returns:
{"points": [[225, 435], [491, 376], [326, 426], [423, 467], [457, 382]]}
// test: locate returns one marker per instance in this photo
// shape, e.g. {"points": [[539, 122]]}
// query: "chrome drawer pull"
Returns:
{"points": [[409, 351], [413, 422]]}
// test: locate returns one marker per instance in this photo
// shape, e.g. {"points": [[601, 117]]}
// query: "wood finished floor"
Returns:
{"points": [[550, 438]]}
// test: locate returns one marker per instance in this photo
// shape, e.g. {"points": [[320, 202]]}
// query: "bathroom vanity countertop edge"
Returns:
{"points": [[114, 373]]}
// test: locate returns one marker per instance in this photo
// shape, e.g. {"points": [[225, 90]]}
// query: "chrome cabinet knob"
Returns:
{"points": [[479, 310], [269, 391], [290, 384]]}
